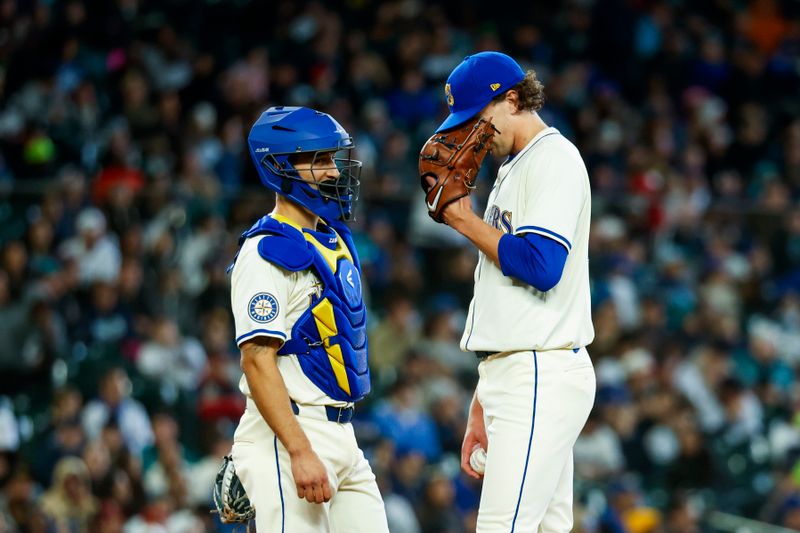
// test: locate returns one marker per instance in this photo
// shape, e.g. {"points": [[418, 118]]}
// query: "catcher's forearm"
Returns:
{"points": [[269, 393]]}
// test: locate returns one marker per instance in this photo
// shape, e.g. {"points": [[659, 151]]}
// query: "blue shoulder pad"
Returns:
{"points": [[288, 253]]}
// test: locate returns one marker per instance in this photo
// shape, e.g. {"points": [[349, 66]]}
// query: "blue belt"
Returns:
{"points": [[340, 415]]}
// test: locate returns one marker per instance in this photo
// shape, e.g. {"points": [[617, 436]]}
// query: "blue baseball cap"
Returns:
{"points": [[474, 82]]}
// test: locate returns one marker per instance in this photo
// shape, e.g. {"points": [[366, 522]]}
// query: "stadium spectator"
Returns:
{"points": [[96, 254], [115, 407], [171, 359], [69, 502]]}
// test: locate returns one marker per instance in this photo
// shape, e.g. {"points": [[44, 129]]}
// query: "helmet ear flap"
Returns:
{"points": [[286, 186]]}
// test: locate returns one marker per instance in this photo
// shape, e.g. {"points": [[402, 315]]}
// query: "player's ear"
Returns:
{"points": [[512, 97]]}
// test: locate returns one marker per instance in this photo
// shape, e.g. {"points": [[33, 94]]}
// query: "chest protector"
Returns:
{"points": [[330, 337]]}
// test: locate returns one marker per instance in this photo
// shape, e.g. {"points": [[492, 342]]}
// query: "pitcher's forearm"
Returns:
{"points": [[482, 235]]}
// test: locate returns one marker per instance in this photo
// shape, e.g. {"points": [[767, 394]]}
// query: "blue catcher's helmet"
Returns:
{"points": [[283, 132]]}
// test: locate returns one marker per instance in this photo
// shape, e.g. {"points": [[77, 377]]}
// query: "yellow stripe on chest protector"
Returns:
{"points": [[331, 256], [326, 325]]}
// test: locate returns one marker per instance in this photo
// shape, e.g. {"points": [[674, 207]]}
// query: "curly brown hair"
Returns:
{"points": [[530, 91]]}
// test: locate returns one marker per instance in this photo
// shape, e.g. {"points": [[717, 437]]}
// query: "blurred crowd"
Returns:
{"points": [[125, 182]]}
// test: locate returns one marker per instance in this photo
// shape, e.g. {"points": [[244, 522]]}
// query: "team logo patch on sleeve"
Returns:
{"points": [[263, 307]]}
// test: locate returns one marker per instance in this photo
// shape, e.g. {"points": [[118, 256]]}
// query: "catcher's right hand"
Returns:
{"points": [[449, 163]]}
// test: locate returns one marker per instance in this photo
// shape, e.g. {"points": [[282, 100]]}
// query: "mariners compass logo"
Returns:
{"points": [[263, 307]]}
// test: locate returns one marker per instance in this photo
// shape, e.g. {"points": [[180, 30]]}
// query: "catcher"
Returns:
{"points": [[301, 327], [529, 320]]}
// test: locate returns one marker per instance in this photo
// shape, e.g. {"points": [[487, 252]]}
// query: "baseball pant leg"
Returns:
{"points": [[535, 405], [265, 471], [358, 506], [558, 516], [264, 466]]}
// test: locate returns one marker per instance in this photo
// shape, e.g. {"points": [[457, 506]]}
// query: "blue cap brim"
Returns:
{"points": [[460, 117]]}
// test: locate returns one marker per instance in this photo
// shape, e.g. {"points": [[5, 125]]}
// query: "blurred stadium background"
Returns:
{"points": [[124, 183]]}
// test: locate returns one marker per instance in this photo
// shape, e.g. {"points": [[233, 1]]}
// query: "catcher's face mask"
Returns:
{"points": [[336, 175], [323, 177]]}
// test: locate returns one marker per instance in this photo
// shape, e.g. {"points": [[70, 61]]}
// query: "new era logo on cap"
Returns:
{"points": [[475, 81]]}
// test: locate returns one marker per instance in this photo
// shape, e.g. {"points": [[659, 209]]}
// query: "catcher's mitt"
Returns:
{"points": [[452, 159], [230, 498]]}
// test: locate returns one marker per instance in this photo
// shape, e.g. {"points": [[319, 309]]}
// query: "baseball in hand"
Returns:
{"points": [[478, 460]]}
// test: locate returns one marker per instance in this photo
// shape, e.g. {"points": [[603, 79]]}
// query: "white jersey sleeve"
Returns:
{"points": [[259, 296], [553, 194]]}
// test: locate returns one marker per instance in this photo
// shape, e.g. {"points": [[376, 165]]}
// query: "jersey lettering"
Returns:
{"points": [[499, 219]]}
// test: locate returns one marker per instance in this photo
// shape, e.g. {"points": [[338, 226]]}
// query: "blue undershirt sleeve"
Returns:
{"points": [[533, 258]]}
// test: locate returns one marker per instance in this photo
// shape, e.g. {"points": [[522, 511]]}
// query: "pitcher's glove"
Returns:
{"points": [[230, 499], [449, 163]]}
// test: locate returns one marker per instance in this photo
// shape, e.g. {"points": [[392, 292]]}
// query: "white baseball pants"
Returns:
{"points": [[534, 405], [264, 466]]}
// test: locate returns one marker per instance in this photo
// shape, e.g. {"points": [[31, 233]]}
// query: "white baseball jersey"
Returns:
{"points": [[544, 189], [266, 301]]}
